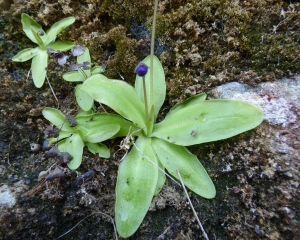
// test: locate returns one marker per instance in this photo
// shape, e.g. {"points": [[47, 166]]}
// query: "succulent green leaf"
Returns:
{"points": [[74, 146], [208, 121], [85, 57], [136, 184], [97, 69], [57, 118], [100, 133], [62, 135], [191, 170], [159, 84], [150, 121], [85, 113], [118, 95], [84, 100], [38, 68], [93, 121], [99, 148], [25, 54], [61, 45], [38, 39], [57, 27], [73, 76], [161, 179], [30, 26], [188, 102]]}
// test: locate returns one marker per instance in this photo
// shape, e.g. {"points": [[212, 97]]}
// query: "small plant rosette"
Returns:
{"points": [[39, 55]]}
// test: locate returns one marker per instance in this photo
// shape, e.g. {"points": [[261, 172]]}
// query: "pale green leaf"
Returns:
{"points": [[208, 121], [136, 183], [57, 27], [62, 135], [84, 100], [160, 179], [97, 69], [85, 113], [150, 121], [91, 122], [61, 45], [159, 84], [99, 148], [85, 57], [57, 119], [38, 39], [191, 170], [38, 68], [29, 23], [101, 133], [25, 54], [74, 146], [73, 76], [118, 95], [188, 102]]}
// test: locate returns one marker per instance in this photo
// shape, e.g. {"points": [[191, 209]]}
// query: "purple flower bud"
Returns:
{"points": [[141, 69]]}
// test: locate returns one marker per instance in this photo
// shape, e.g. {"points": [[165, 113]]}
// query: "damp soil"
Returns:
{"points": [[257, 183]]}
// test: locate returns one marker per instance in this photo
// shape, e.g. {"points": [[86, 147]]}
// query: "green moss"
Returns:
{"points": [[162, 25], [226, 34], [123, 13], [255, 39], [211, 64]]}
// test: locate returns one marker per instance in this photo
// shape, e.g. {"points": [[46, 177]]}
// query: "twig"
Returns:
{"points": [[195, 214], [8, 152], [106, 215], [53, 92], [36, 188], [161, 235], [28, 74]]}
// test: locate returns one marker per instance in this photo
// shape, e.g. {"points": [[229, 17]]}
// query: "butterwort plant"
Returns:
{"points": [[162, 145], [44, 40]]}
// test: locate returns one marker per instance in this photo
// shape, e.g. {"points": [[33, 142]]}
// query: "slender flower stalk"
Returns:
{"points": [[141, 70], [152, 52], [145, 97]]}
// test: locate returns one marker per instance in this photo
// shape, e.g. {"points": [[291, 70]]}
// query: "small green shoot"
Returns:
{"points": [[80, 75], [39, 55], [90, 130]]}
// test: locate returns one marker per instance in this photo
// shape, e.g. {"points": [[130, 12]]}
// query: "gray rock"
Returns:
{"points": [[278, 100]]}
